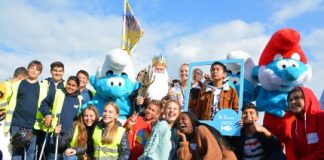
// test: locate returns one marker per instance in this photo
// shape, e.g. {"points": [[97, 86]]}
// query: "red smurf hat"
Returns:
{"points": [[283, 44]]}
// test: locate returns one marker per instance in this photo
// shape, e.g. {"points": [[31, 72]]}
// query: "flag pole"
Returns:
{"points": [[124, 24]]}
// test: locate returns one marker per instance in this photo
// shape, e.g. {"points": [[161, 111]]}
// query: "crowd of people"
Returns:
{"points": [[43, 119]]}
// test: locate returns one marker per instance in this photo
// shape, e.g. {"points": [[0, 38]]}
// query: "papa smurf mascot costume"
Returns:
{"points": [[115, 81], [282, 66], [250, 85]]}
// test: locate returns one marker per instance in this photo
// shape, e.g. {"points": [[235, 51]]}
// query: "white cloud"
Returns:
{"points": [[75, 38], [215, 42], [81, 40], [314, 43], [292, 9]]}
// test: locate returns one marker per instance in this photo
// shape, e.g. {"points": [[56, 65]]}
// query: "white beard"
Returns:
{"points": [[160, 87]]}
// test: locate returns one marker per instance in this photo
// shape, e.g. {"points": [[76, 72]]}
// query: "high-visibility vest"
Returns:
{"points": [[5, 88], [13, 102], [106, 151], [48, 83], [73, 142], [56, 110]]}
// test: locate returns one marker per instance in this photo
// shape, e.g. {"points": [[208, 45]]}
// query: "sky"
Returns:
{"points": [[81, 32]]}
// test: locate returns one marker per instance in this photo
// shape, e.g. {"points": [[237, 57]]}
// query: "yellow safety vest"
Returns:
{"points": [[5, 88], [48, 83], [57, 108], [106, 151], [13, 102], [74, 138]]}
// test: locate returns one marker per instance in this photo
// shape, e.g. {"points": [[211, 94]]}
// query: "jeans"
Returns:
{"points": [[19, 154], [50, 149], [73, 157]]}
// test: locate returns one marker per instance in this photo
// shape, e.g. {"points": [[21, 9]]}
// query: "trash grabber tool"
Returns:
{"points": [[44, 143], [57, 137]]}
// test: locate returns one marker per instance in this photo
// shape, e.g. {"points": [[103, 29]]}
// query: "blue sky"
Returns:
{"points": [[80, 32]]}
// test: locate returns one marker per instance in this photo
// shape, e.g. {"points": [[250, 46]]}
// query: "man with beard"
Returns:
{"points": [[160, 86]]}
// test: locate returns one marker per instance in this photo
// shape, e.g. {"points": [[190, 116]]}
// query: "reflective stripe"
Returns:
{"points": [[105, 149], [7, 123], [110, 150], [3, 104], [9, 112]]}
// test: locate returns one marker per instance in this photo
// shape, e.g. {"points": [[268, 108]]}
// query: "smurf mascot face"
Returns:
{"points": [[114, 86], [283, 64], [284, 74], [234, 74]]}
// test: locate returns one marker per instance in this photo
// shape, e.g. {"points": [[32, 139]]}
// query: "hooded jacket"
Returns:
{"points": [[308, 132], [228, 98]]}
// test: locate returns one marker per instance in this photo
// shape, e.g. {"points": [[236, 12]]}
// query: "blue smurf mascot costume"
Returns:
{"points": [[250, 86], [115, 81]]}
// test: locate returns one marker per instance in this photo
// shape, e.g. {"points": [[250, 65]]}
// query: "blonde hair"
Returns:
{"points": [[158, 104], [110, 133], [172, 101], [183, 64]]}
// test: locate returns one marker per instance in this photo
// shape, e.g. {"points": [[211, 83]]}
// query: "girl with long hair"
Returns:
{"points": [[109, 138], [79, 138]]}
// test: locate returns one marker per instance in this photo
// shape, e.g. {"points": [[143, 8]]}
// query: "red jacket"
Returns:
{"points": [[308, 132], [138, 136]]}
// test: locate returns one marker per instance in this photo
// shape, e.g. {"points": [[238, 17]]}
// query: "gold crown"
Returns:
{"points": [[159, 60]]}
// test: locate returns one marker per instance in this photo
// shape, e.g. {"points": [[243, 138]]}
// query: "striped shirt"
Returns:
{"points": [[253, 149]]}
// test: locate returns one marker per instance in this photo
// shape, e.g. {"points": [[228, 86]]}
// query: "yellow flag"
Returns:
{"points": [[131, 29]]}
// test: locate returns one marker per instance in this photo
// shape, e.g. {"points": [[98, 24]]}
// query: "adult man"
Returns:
{"points": [[160, 86], [5, 89], [197, 76]]}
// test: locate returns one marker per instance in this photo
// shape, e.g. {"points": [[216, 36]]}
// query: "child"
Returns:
{"points": [[256, 142], [5, 88], [86, 93], [56, 81], [109, 139], [163, 141], [79, 138], [23, 108], [216, 95], [60, 110], [308, 128], [139, 128]]}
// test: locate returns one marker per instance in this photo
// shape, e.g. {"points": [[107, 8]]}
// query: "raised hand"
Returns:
{"points": [[139, 100], [259, 128], [182, 136], [132, 120], [70, 152]]}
